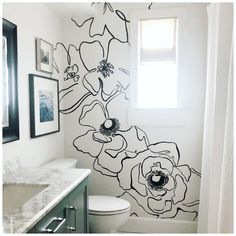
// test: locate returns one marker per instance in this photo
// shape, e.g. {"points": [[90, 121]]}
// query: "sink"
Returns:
{"points": [[15, 195]]}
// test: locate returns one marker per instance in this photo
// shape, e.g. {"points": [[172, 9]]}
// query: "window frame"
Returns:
{"points": [[155, 116]]}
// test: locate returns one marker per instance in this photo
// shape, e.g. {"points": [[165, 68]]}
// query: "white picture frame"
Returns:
{"points": [[44, 56]]}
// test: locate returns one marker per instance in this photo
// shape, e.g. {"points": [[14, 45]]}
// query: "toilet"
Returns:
{"points": [[106, 213]]}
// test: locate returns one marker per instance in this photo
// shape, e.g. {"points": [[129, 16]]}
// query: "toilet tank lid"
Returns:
{"points": [[61, 163], [107, 204]]}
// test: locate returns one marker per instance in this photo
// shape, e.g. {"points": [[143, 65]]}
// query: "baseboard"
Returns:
{"points": [[148, 225]]}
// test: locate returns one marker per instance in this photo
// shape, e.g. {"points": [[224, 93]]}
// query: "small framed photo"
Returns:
{"points": [[44, 56], [44, 107]]}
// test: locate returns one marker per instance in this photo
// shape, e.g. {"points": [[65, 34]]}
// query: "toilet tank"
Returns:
{"points": [[61, 163]]}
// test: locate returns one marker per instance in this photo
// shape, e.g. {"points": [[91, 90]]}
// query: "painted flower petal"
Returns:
{"points": [[68, 54], [122, 58], [115, 106], [117, 146], [91, 82], [112, 154], [136, 138], [170, 184], [158, 194], [97, 136], [103, 171], [192, 195], [166, 149], [114, 81], [91, 53], [94, 109], [100, 24], [76, 78], [157, 163], [86, 144], [137, 186], [185, 171], [159, 206], [128, 163], [180, 191]]}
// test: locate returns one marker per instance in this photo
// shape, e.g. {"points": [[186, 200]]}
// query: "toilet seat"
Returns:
{"points": [[106, 205]]}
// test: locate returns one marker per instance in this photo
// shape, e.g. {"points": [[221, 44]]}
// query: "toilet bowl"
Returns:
{"points": [[106, 213]]}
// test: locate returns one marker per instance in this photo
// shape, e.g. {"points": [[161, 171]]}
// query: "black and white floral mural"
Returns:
{"points": [[150, 175]]}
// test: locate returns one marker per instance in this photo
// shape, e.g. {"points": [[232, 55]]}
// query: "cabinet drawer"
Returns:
{"points": [[55, 221], [70, 215]]}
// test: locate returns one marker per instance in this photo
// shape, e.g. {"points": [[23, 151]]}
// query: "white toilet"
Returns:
{"points": [[106, 213]]}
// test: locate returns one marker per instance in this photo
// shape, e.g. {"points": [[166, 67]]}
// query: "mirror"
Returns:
{"points": [[10, 115]]}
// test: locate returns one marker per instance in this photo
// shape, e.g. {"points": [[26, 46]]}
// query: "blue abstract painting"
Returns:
{"points": [[46, 105]]}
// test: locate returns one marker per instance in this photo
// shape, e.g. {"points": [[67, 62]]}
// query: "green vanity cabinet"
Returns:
{"points": [[78, 210], [70, 215]]}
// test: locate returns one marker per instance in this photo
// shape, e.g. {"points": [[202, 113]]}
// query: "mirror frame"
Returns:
{"points": [[11, 133]]}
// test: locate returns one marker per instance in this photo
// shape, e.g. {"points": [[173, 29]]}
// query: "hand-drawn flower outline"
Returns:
{"points": [[72, 72], [156, 181], [109, 141], [103, 69]]}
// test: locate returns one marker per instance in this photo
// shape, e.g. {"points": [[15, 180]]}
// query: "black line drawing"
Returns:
{"points": [[98, 46], [67, 50], [157, 183], [149, 6], [119, 17], [107, 137], [72, 73], [106, 5], [103, 69], [149, 173]]}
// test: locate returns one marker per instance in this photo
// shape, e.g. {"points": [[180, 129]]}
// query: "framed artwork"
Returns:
{"points": [[44, 56], [44, 106]]}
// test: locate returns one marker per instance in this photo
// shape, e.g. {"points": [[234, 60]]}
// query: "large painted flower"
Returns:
{"points": [[106, 141], [107, 66], [156, 181]]}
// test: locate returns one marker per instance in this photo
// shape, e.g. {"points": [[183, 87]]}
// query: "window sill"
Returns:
{"points": [[157, 117]]}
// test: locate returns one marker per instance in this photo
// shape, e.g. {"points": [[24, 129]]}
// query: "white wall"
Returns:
{"points": [[188, 138], [33, 20], [36, 20]]}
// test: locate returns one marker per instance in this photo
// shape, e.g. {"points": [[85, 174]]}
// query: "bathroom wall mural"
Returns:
{"points": [[96, 80]]}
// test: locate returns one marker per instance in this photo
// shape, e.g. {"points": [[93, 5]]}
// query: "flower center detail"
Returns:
{"points": [[109, 127], [105, 68], [156, 180]]}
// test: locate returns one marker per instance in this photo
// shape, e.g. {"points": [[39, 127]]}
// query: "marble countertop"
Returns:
{"points": [[60, 182]]}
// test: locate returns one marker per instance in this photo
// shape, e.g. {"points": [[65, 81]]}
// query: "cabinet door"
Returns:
{"points": [[78, 209]]}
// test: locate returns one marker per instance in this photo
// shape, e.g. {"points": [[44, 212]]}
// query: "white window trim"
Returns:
{"points": [[154, 117]]}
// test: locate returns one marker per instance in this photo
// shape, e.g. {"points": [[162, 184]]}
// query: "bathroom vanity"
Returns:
{"points": [[59, 205]]}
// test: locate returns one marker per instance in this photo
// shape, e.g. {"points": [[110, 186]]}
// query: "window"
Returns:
{"points": [[157, 66], [155, 87]]}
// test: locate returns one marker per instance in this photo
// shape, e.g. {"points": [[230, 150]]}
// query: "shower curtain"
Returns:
{"points": [[216, 195]]}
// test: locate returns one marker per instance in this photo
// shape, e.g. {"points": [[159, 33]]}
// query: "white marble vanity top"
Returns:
{"points": [[60, 182]]}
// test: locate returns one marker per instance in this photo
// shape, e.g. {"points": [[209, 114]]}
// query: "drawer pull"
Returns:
{"points": [[71, 228], [54, 225], [74, 209]]}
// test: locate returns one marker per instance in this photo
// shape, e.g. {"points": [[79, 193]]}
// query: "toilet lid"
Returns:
{"points": [[105, 204]]}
